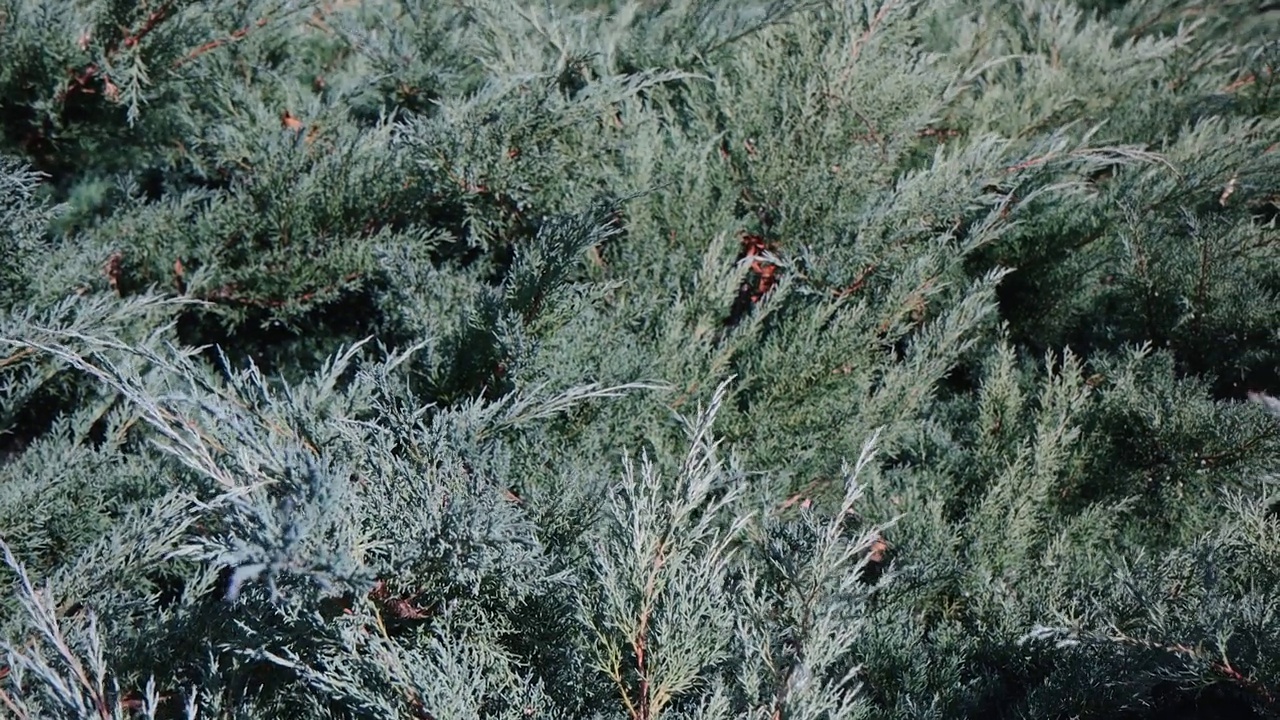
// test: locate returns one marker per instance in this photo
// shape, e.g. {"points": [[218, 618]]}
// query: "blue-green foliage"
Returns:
{"points": [[688, 359]]}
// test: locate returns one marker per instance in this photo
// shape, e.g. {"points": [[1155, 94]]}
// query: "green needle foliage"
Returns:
{"points": [[751, 359]]}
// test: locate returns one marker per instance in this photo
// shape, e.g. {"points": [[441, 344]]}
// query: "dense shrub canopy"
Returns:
{"points": [[690, 359]]}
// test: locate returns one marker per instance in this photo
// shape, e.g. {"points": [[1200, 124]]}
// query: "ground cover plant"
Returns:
{"points": [[647, 359]]}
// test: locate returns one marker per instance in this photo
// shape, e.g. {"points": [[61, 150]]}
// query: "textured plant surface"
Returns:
{"points": [[760, 359]]}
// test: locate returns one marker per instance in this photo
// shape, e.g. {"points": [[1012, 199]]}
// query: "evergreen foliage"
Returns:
{"points": [[632, 359]]}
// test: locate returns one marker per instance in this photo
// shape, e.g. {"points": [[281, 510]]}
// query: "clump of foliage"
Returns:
{"points": [[633, 359]]}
